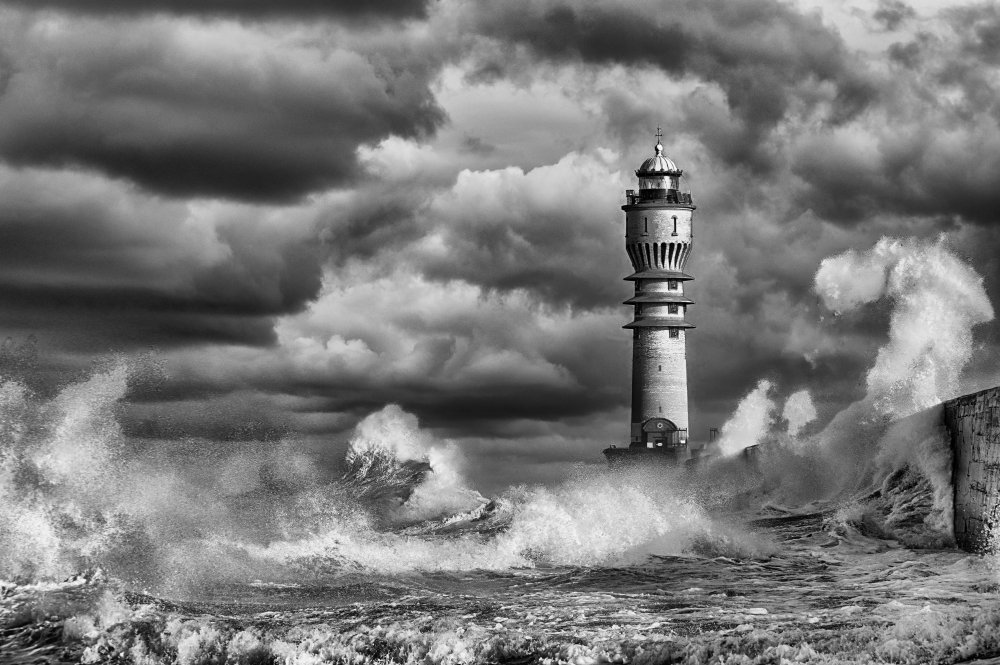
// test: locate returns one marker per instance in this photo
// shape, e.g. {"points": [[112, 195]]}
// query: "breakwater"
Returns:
{"points": [[973, 424]]}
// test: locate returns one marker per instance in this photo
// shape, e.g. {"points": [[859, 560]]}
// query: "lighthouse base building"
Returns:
{"points": [[658, 241]]}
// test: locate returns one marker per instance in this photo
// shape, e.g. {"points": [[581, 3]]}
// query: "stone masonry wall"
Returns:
{"points": [[973, 422], [659, 377]]}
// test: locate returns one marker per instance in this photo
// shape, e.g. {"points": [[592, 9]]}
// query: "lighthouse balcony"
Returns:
{"points": [[658, 322], [658, 197], [656, 273], [654, 297]]}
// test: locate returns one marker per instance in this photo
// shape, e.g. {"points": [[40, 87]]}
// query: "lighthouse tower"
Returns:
{"points": [[658, 239]]}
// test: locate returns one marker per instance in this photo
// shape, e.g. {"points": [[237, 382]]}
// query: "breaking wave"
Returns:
{"points": [[885, 459], [77, 497]]}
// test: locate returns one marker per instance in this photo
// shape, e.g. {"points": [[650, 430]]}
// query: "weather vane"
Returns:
{"points": [[658, 134]]}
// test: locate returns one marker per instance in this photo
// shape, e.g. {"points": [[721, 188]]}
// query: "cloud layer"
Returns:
{"points": [[298, 212], [187, 107], [244, 8]]}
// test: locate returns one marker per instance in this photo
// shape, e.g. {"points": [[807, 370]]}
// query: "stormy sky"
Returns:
{"points": [[293, 212]]}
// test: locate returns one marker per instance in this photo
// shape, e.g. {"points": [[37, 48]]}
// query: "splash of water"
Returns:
{"points": [[389, 449], [75, 497], [937, 299], [886, 452], [58, 485], [592, 519], [750, 422], [388, 434], [799, 411]]}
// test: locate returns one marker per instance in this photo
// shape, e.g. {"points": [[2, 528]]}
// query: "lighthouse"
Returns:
{"points": [[658, 241]]}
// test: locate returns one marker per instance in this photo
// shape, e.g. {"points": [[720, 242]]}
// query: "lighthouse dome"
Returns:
{"points": [[658, 163]]}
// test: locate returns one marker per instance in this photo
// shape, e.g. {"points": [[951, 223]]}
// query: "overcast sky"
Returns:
{"points": [[299, 211]]}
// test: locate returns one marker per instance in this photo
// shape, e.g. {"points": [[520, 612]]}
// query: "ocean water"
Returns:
{"points": [[824, 544], [395, 563], [789, 589]]}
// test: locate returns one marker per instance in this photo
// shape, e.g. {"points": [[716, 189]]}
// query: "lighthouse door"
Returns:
{"points": [[659, 433]]}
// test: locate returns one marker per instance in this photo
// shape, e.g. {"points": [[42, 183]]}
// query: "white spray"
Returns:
{"points": [[58, 486], [750, 422], [799, 411], [937, 299], [392, 436]]}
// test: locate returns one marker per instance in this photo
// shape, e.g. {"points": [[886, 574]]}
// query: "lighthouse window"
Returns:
{"points": [[672, 309], [645, 225], [659, 368], [672, 284], [674, 333]]}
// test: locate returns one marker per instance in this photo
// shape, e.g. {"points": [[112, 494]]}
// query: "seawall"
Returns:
{"points": [[973, 423]]}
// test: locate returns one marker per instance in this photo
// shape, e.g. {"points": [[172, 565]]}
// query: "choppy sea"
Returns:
{"points": [[830, 549], [813, 598]]}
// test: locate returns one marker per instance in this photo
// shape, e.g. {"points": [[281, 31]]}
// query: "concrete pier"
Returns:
{"points": [[973, 423]]}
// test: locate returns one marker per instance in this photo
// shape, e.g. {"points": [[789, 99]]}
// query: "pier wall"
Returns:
{"points": [[973, 423]]}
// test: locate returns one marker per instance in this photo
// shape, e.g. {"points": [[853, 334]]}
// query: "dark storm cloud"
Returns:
{"points": [[451, 353], [89, 265], [270, 8], [891, 14], [213, 109], [906, 54], [484, 408], [764, 54], [370, 224], [93, 320], [480, 408], [932, 148], [978, 28]]}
